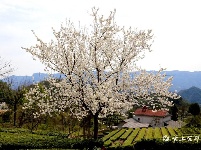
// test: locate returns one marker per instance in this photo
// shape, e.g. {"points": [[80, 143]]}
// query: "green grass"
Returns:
{"points": [[24, 139]]}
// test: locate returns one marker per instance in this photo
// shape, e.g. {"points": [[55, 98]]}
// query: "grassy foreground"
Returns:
{"points": [[24, 139], [18, 138]]}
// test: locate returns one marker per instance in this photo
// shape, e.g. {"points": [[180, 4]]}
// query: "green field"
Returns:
{"points": [[119, 138], [128, 137], [18, 138]]}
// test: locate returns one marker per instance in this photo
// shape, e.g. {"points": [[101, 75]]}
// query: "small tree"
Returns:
{"points": [[18, 98], [174, 112], [194, 109], [5, 97], [13, 98], [97, 64]]}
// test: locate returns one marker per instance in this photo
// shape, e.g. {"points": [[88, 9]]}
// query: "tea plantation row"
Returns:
{"points": [[129, 137], [138, 139]]}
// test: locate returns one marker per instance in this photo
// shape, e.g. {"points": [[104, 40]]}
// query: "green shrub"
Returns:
{"points": [[107, 143], [197, 130], [126, 134], [6, 116], [129, 140], [116, 144], [178, 131], [171, 131], [160, 145], [117, 135], [149, 133], [164, 131], [140, 135], [14, 139], [110, 135], [157, 133]]}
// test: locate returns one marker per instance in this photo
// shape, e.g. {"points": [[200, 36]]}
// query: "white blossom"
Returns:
{"points": [[97, 65]]}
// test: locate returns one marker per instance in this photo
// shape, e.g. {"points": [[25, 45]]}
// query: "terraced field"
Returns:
{"points": [[128, 137]]}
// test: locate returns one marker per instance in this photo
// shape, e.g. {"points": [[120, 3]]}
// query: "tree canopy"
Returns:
{"points": [[97, 63], [194, 109], [174, 112]]}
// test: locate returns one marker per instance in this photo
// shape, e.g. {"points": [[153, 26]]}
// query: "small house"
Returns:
{"points": [[155, 118]]}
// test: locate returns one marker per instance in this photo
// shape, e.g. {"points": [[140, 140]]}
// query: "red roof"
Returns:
{"points": [[148, 112]]}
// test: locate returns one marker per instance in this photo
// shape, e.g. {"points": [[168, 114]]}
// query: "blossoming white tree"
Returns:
{"points": [[5, 68], [96, 63]]}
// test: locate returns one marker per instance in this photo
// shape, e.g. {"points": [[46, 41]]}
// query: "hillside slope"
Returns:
{"points": [[193, 95]]}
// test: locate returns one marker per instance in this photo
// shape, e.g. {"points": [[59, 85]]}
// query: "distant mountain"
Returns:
{"points": [[28, 80], [192, 95], [181, 79], [184, 79]]}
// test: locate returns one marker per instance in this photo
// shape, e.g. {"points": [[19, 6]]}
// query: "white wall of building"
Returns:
{"points": [[153, 121]]}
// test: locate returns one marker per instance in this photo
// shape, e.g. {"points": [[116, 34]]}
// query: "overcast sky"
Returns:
{"points": [[176, 26]]}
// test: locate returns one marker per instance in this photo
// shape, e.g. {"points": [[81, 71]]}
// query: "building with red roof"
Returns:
{"points": [[152, 117]]}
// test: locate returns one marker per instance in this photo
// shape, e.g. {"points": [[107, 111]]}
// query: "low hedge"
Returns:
{"points": [[26, 140], [159, 145], [54, 143]]}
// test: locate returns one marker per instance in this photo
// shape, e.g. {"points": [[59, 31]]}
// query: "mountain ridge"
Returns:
{"points": [[188, 84], [192, 95], [181, 79]]}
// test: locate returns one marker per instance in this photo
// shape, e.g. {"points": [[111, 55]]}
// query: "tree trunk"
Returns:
{"points": [[15, 113], [95, 126], [84, 131]]}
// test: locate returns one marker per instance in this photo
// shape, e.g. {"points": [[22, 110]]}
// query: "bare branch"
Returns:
{"points": [[5, 68]]}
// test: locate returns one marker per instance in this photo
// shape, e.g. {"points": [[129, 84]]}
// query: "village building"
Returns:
{"points": [[157, 118], [144, 117]]}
